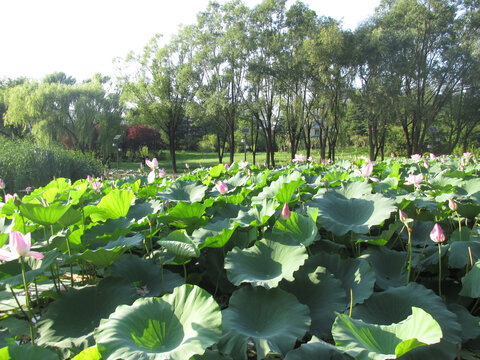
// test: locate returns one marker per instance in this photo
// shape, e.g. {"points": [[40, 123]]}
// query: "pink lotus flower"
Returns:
{"points": [[403, 216], [437, 234], [97, 186], [187, 166], [366, 170], [152, 164], [162, 173], [416, 157], [425, 163], [414, 180], [432, 156], [9, 196], [285, 214], [467, 155], [221, 187], [89, 178], [243, 165], [300, 158], [452, 204], [226, 166], [19, 247]]}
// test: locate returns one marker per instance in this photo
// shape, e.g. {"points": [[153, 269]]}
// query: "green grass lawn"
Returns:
{"points": [[198, 159]]}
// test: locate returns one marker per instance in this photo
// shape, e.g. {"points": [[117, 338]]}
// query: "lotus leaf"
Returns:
{"points": [[214, 234], [316, 349], [175, 326], [301, 229], [27, 352], [44, 215], [366, 341], [389, 266], [471, 282], [113, 205], [322, 293], [265, 264], [187, 191], [273, 319], [281, 189], [341, 214]]}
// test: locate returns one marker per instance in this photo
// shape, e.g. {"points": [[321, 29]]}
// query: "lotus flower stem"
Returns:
{"points": [[351, 303], [439, 269], [28, 301], [409, 265], [459, 223]]}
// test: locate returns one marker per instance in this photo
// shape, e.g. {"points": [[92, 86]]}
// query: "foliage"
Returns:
{"points": [[22, 164]]}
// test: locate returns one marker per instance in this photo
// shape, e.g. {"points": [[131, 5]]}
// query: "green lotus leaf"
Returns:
{"points": [[471, 282], [385, 185], [217, 170], [355, 274], [44, 215], [365, 341], [334, 177], [468, 188], [72, 216], [389, 266], [316, 349], [301, 229], [214, 234], [322, 293], [256, 215], [149, 279], [110, 252], [354, 190], [71, 319], [184, 215], [187, 191], [340, 214], [273, 319], [113, 205], [180, 244], [211, 355], [90, 353], [394, 304], [237, 180], [459, 251], [281, 189], [265, 264], [175, 326], [468, 322], [26, 352]]}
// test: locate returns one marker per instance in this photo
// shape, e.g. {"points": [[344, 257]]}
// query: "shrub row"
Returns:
{"points": [[23, 163]]}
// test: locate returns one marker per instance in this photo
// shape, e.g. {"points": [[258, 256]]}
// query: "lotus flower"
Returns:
{"points": [[162, 173], [19, 247], [432, 156], [226, 166], [2, 184], [403, 216], [366, 170], [152, 164], [221, 187], [414, 180], [243, 165], [416, 157], [9, 196], [300, 158], [425, 163], [97, 185], [285, 214], [187, 166], [437, 234]]}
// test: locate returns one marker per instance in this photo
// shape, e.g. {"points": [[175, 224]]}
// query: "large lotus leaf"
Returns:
{"points": [[459, 252], [180, 244], [214, 234], [471, 282], [353, 190], [217, 170], [184, 215], [70, 320], [237, 180], [301, 229], [281, 189], [188, 191], [394, 304], [468, 188], [273, 319], [356, 275], [149, 279], [265, 264], [110, 252], [44, 215], [389, 266], [316, 349], [27, 352], [175, 326], [365, 341], [340, 214], [90, 353], [333, 177], [322, 293], [113, 205], [256, 215], [468, 322]]}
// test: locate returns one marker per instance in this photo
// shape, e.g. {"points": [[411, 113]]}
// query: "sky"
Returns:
{"points": [[82, 37]]}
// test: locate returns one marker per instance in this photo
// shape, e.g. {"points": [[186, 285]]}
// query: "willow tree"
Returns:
{"points": [[158, 92]]}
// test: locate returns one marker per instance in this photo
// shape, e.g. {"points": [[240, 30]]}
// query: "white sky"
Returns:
{"points": [[82, 37]]}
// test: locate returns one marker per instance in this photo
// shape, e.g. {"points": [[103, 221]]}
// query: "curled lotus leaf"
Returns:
{"points": [[175, 326], [340, 214], [316, 349], [264, 264]]}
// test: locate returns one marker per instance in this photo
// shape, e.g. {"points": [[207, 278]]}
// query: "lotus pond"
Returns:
{"points": [[365, 261]]}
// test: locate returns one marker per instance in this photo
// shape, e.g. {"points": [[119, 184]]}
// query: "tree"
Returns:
{"points": [[162, 86]]}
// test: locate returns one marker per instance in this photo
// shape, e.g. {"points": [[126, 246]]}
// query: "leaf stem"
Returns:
{"points": [[28, 301]]}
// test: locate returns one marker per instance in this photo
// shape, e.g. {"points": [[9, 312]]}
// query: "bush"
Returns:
{"points": [[22, 164]]}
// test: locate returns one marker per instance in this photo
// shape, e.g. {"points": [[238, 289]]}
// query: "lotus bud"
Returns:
{"points": [[437, 234], [221, 187], [285, 214], [2, 184], [403, 216], [452, 205]]}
